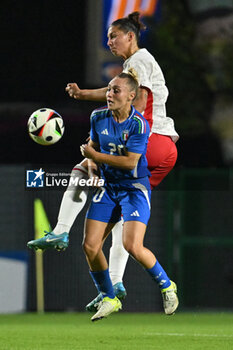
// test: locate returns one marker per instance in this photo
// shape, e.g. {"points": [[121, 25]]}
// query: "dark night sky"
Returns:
{"points": [[42, 47]]}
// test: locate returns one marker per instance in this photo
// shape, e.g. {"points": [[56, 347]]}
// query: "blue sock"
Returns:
{"points": [[103, 283], [159, 275]]}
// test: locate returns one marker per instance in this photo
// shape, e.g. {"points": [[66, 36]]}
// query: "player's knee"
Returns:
{"points": [[90, 249], [132, 248]]}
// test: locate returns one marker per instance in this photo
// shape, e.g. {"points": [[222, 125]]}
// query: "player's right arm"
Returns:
{"points": [[126, 162], [86, 94]]}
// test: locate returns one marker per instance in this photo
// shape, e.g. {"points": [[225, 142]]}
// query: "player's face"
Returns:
{"points": [[118, 94], [118, 41]]}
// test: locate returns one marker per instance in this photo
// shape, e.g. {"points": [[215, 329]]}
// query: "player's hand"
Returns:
{"points": [[73, 90], [94, 172], [88, 151]]}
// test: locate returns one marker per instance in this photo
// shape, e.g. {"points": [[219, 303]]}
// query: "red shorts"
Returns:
{"points": [[161, 157]]}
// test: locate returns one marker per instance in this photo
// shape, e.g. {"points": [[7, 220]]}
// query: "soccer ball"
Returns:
{"points": [[45, 126]]}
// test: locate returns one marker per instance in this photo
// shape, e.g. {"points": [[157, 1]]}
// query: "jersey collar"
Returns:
{"points": [[129, 117]]}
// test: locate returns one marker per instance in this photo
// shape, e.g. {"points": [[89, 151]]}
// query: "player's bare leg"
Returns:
{"points": [[95, 233], [133, 237], [118, 258]]}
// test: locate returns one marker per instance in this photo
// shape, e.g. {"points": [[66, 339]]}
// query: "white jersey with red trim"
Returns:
{"points": [[151, 77]]}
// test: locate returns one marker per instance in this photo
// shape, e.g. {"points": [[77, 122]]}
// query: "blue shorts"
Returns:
{"points": [[108, 203]]}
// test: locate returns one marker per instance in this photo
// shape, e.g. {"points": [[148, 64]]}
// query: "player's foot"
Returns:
{"points": [[106, 307], [170, 299], [93, 305], [119, 291], [50, 240]]}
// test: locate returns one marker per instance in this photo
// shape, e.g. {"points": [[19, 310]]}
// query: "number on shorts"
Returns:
{"points": [[99, 194]]}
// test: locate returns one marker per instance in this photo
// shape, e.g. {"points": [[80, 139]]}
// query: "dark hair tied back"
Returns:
{"points": [[134, 17], [130, 23]]}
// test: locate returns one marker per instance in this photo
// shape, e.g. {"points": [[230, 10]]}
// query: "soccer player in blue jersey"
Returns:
{"points": [[119, 136]]}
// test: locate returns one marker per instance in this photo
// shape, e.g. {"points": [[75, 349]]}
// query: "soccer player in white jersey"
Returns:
{"points": [[123, 41]]}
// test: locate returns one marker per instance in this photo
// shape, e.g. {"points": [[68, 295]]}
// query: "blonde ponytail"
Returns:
{"points": [[133, 73]]}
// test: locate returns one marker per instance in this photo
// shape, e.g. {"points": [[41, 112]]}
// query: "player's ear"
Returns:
{"points": [[131, 36], [132, 96]]}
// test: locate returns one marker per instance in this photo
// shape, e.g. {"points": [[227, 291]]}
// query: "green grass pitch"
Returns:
{"points": [[123, 331]]}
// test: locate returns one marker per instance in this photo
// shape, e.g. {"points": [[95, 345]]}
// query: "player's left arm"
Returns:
{"points": [[140, 101], [126, 162]]}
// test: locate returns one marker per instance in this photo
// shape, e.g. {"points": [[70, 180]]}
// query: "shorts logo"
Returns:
{"points": [[35, 178], [135, 213], [125, 135]]}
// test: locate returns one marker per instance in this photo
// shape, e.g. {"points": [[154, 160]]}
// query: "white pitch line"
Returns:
{"points": [[190, 335]]}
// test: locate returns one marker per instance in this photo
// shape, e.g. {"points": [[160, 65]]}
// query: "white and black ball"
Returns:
{"points": [[45, 126]]}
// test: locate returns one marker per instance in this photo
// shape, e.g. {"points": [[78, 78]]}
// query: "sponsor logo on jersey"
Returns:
{"points": [[135, 213], [104, 132]]}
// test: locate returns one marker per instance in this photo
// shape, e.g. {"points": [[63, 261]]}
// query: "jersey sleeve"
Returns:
{"points": [[143, 70], [138, 139], [93, 133]]}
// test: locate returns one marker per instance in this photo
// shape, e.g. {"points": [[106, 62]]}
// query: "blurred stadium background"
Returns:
{"points": [[47, 44]]}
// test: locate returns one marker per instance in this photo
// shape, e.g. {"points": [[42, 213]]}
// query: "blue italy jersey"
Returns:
{"points": [[117, 138]]}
